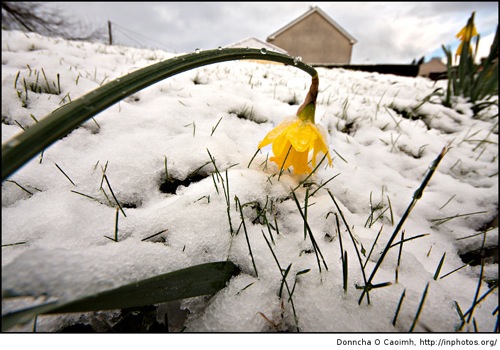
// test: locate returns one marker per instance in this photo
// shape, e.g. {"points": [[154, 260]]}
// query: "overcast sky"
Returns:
{"points": [[387, 32]]}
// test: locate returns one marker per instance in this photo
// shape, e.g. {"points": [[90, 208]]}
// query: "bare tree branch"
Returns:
{"points": [[39, 18]]}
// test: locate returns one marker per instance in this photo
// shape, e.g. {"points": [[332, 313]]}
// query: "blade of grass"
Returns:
{"points": [[416, 196], [284, 162], [489, 291], [399, 254], [215, 127], [469, 313], [419, 310], [251, 160], [306, 197], [409, 239], [285, 282], [323, 184], [85, 195], [13, 244], [344, 271], [113, 194], [62, 171], [373, 246], [312, 172], [367, 285], [343, 254], [313, 241], [154, 235], [21, 187], [438, 269], [205, 279], [337, 153], [400, 303], [246, 234], [441, 221], [455, 270], [295, 282]]}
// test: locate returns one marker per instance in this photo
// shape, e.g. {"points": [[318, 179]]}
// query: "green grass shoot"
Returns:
{"points": [[343, 255], [284, 280], [440, 221], [154, 235], [115, 239], [251, 160], [317, 251], [419, 310], [85, 195], [367, 282], [438, 269], [400, 303], [399, 255], [416, 196], [113, 194], [62, 171], [215, 127], [246, 233], [373, 246], [21, 187]]}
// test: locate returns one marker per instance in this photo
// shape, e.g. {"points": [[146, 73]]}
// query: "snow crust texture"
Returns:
{"points": [[382, 140]]}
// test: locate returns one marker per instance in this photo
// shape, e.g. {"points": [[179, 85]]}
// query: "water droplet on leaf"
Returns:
{"points": [[197, 50], [263, 51], [296, 60]]}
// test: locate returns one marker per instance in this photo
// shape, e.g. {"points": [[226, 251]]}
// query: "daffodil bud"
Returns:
{"points": [[466, 34]]}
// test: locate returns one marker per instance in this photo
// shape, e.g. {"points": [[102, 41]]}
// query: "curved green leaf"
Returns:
{"points": [[205, 279], [20, 149]]}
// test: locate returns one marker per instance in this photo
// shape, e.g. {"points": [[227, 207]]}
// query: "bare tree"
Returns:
{"points": [[37, 17]]}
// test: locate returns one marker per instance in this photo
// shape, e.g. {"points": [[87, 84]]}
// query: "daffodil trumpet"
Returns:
{"points": [[294, 138]]}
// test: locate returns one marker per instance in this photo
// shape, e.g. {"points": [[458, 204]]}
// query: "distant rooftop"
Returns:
{"points": [[255, 43]]}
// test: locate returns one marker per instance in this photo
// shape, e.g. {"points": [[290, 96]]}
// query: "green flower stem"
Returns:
{"points": [[20, 149]]}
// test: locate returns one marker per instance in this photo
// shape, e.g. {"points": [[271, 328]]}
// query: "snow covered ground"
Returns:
{"points": [[381, 154]]}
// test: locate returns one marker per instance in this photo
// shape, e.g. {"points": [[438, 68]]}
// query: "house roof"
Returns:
{"points": [[258, 44], [312, 10]]}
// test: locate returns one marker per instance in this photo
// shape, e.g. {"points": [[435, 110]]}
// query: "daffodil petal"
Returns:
{"points": [[281, 145], [299, 162], [302, 136], [276, 132]]}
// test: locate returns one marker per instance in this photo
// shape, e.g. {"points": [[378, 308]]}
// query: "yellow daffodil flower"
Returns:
{"points": [[295, 137], [466, 34]]}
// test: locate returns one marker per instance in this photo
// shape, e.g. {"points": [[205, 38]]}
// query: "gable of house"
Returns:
{"points": [[315, 37], [255, 43], [435, 65]]}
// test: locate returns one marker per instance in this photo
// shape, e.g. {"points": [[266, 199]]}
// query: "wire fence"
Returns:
{"points": [[137, 39]]}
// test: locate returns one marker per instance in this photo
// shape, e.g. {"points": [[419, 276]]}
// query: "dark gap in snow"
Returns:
{"points": [[247, 113], [171, 185], [349, 128], [411, 115], [161, 318], [141, 319], [78, 328], [129, 205], [474, 257], [133, 98], [293, 101]]}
